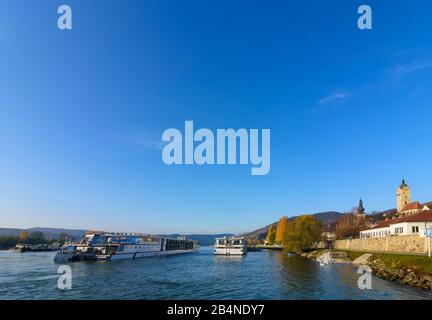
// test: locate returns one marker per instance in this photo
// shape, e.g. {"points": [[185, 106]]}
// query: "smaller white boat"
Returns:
{"points": [[230, 246]]}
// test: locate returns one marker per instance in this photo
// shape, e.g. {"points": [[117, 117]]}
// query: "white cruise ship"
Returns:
{"points": [[230, 246], [114, 246]]}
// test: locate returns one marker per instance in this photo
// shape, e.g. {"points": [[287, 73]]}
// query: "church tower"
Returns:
{"points": [[403, 196], [360, 211]]}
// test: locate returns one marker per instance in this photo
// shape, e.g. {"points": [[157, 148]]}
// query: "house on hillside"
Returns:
{"points": [[413, 224]]}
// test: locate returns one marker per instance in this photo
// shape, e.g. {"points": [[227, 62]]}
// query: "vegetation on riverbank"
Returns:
{"points": [[271, 235], [414, 270], [24, 237], [349, 226], [418, 263], [298, 235], [421, 264]]}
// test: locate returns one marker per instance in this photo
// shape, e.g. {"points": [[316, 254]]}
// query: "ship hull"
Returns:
{"points": [[72, 257], [138, 255], [230, 251]]}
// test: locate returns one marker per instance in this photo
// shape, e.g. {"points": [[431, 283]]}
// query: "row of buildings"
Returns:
{"points": [[409, 218]]}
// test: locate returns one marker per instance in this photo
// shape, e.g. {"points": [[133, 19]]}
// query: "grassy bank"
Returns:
{"points": [[404, 261], [414, 270], [420, 264]]}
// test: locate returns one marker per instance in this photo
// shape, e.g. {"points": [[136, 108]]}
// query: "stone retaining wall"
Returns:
{"points": [[402, 244]]}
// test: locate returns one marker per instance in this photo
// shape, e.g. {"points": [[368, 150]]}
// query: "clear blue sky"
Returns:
{"points": [[82, 111]]}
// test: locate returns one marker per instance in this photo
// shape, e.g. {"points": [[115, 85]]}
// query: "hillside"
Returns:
{"points": [[327, 218], [203, 239], [52, 233]]}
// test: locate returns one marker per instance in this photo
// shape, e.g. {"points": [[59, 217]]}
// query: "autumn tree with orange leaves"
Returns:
{"points": [[281, 230]]}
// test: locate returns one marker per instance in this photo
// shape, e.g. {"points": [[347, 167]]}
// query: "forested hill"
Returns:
{"points": [[77, 234], [52, 233], [203, 239]]}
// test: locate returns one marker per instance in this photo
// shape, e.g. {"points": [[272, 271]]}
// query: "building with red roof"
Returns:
{"points": [[408, 225]]}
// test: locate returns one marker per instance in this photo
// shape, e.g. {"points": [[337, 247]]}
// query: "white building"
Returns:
{"points": [[414, 224]]}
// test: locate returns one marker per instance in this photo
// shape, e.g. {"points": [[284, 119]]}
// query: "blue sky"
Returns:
{"points": [[82, 111]]}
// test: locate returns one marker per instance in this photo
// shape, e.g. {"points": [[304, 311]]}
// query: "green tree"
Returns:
{"points": [[302, 233], [271, 235], [7, 242], [37, 237]]}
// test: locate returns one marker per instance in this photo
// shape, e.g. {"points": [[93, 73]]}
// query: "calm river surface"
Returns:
{"points": [[258, 275]]}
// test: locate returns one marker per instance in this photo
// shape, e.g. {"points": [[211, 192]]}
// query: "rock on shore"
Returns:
{"points": [[328, 256], [405, 276]]}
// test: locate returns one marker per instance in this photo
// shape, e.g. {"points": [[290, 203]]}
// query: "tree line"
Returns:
{"points": [[24, 237], [297, 235], [301, 233]]}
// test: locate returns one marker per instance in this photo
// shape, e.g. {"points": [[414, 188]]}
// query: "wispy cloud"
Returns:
{"points": [[335, 98], [402, 70], [398, 73], [148, 143]]}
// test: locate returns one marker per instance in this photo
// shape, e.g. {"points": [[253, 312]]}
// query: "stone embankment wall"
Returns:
{"points": [[402, 244]]}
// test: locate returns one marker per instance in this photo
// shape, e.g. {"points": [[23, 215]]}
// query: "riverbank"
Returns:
{"points": [[413, 270]]}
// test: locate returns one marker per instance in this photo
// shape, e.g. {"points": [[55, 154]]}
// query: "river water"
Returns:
{"points": [[258, 275]]}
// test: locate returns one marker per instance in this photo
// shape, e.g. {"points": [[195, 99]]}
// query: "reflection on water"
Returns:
{"points": [[258, 275]]}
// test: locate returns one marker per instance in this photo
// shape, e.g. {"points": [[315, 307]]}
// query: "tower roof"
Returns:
{"points": [[403, 184], [360, 208]]}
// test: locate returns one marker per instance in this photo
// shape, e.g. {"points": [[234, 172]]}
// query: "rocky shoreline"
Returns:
{"points": [[392, 272], [404, 276]]}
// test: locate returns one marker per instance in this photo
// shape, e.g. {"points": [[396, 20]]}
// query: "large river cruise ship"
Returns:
{"points": [[114, 246]]}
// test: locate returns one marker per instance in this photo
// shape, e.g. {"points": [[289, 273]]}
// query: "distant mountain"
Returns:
{"points": [[260, 233], [328, 219], [9, 231], [204, 239], [52, 233]]}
